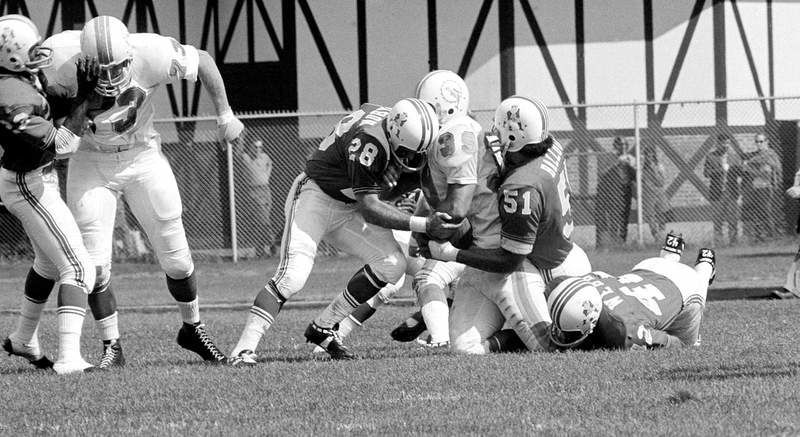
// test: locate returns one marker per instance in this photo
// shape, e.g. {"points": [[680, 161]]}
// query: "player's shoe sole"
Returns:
{"points": [[196, 339], [245, 358], [329, 340], [36, 358], [70, 367]]}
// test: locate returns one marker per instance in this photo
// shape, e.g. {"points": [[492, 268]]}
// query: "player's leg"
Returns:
{"points": [[431, 284], [791, 288], [156, 203], [306, 210], [474, 317], [58, 243], [94, 205], [384, 263]]}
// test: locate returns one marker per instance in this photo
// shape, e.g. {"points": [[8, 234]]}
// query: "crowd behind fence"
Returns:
{"points": [[636, 170]]}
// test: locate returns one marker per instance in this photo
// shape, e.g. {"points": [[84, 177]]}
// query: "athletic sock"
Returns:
{"points": [[361, 287], [265, 308], [190, 311], [103, 304], [37, 290], [184, 291], [71, 312]]}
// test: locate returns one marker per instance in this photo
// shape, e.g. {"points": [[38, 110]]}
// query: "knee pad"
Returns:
{"points": [[46, 269], [177, 264], [390, 268]]}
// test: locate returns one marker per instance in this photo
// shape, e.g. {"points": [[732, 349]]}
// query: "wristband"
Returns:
{"points": [[418, 224], [226, 117]]}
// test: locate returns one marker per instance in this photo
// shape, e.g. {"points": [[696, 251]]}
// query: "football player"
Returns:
{"points": [[122, 154], [29, 190], [659, 303], [505, 281], [338, 198]]}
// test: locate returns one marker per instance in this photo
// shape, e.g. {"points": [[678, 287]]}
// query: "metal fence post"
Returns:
{"points": [[232, 205], [638, 149]]}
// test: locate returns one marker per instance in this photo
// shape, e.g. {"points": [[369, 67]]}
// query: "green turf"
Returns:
{"points": [[743, 380]]}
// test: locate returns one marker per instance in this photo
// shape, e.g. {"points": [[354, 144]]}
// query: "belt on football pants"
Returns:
{"points": [[113, 149]]}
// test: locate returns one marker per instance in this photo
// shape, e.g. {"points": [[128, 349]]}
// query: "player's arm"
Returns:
{"points": [[379, 213], [459, 197], [209, 75]]}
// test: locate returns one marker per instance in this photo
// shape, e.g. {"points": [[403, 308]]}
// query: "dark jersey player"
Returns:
{"points": [[338, 198], [534, 243], [29, 190], [659, 303]]}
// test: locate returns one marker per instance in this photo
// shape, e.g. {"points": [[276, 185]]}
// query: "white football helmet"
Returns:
{"points": [[20, 45], [411, 127], [446, 91], [106, 38], [575, 307], [519, 121]]}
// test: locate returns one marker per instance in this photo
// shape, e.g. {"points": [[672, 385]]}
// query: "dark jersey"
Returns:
{"points": [[353, 158], [634, 305], [26, 133], [534, 207]]}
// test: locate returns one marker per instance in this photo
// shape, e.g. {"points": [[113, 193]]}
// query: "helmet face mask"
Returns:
{"points": [[411, 127], [20, 45], [114, 78]]}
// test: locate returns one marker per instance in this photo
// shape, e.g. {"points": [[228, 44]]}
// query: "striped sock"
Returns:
{"points": [[341, 306], [266, 307], [70, 323]]}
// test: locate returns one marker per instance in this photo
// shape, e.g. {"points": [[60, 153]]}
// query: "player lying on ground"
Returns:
{"points": [[527, 241], [337, 198], [122, 154], [29, 189], [659, 303]]}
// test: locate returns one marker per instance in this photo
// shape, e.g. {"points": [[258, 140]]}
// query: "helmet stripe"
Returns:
{"points": [[561, 302], [425, 122], [543, 113], [100, 35]]}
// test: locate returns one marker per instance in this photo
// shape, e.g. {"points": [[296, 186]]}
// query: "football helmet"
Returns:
{"points": [[519, 121], [446, 91], [106, 38], [411, 128], [575, 307], [20, 45]]}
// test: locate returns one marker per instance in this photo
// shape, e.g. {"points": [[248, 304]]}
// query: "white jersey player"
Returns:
{"points": [[122, 154]]}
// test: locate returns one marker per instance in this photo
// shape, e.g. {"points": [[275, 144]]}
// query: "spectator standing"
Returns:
{"points": [[654, 200], [612, 207], [762, 177], [257, 204], [723, 168]]}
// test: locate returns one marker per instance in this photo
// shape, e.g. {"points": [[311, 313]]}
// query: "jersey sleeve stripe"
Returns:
{"points": [[516, 247]]}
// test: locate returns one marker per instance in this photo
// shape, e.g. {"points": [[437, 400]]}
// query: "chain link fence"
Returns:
{"points": [[636, 170]]}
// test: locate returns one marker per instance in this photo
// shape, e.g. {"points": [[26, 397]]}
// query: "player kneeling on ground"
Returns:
{"points": [[659, 303]]}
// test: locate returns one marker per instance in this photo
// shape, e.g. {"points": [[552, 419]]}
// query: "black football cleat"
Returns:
{"points": [[328, 339], [33, 355], [410, 329], [674, 243], [196, 339], [708, 256], [112, 356]]}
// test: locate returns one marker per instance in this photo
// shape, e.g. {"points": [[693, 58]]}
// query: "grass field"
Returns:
{"points": [[742, 381]]}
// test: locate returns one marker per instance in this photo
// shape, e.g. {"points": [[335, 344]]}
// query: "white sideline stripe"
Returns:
{"points": [[245, 306]]}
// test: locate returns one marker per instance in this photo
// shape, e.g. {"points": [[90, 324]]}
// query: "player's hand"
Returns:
{"points": [[793, 192], [229, 128], [87, 71], [440, 226], [391, 176], [442, 251]]}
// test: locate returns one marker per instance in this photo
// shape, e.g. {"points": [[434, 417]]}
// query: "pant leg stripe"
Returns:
{"points": [[287, 233], [52, 226]]}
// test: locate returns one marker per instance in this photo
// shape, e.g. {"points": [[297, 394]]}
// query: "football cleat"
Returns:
{"points": [[245, 358], [196, 339], [328, 339], [31, 353], [112, 356], [426, 343], [76, 366], [674, 243], [708, 256], [410, 329]]}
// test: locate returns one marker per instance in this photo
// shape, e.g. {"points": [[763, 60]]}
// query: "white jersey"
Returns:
{"points": [[453, 158], [692, 287], [484, 215], [129, 119]]}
